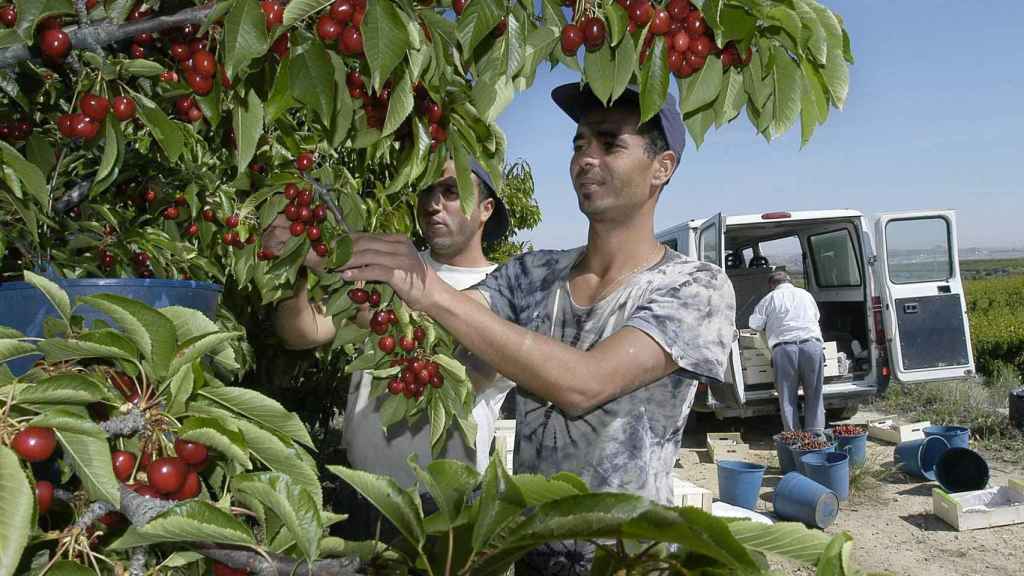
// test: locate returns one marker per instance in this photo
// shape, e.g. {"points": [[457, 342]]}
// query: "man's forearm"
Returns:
{"points": [[299, 323]]}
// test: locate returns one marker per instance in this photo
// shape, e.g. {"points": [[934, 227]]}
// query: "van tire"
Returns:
{"points": [[842, 412]]}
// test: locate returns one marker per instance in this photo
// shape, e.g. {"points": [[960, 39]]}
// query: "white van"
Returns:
{"points": [[888, 289]]}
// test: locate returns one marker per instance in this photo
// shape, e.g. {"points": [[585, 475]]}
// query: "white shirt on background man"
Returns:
{"points": [[787, 314], [371, 449]]}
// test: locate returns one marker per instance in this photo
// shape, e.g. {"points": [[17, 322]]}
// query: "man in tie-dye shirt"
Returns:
{"points": [[606, 342]]}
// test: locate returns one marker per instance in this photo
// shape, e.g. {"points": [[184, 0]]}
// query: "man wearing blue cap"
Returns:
{"points": [[605, 342]]}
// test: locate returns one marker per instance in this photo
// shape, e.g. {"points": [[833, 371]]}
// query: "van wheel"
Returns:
{"points": [[842, 413]]}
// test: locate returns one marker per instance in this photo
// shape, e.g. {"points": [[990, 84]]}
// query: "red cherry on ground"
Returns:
{"points": [[190, 488], [54, 44], [305, 161], [572, 39], [190, 452], [167, 475], [44, 495], [124, 464], [358, 295], [94, 106], [386, 344], [297, 228], [34, 444], [321, 249], [233, 221], [123, 108], [594, 33], [350, 43]]}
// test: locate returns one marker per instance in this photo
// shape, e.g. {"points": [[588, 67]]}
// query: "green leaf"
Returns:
{"points": [[191, 521], [737, 24], [69, 568], [200, 346], [167, 133], [654, 80], [61, 389], [59, 350], [280, 98], [618, 21], [282, 457], [31, 11], [786, 19], [784, 539], [625, 63], [787, 86], [39, 152], [393, 409], [537, 489], [449, 482], [291, 502], [248, 125], [476, 23], [599, 71], [386, 495], [299, 9], [180, 387], [730, 99], [400, 105], [28, 173], [702, 88], [189, 323], [211, 432], [89, 455], [17, 508], [118, 10], [152, 332], [812, 33], [245, 37], [385, 40], [261, 409], [311, 79], [698, 122], [463, 175], [808, 111], [499, 505], [491, 98], [835, 560], [142, 68], [837, 77], [54, 293], [112, 148], [12, 349]]}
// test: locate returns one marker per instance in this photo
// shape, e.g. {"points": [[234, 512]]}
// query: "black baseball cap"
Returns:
{"points": [[574, 98]]}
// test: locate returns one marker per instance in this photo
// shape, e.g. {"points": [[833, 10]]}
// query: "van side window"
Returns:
{"points": [[918, 250], [671, 243], [835, 259]]}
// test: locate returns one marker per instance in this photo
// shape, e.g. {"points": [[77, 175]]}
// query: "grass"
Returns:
{"points": [[978, 404]]}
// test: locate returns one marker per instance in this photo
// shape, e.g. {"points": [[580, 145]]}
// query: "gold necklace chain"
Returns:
{"points": [[647, 263]]}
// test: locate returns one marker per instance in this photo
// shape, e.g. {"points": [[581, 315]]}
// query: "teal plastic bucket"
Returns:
{"points": [[919, 457], [797, 497], [831, 470], [855, 447], [24, 307], [961, 470], [955, 436], [739, 482]]}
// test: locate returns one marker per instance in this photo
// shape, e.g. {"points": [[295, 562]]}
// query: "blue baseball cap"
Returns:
{"points": [[574, 98]]}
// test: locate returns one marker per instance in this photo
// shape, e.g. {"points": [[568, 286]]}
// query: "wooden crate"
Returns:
{"points": [[964, 511], [688, 494], [890, 429], [727, 446]]}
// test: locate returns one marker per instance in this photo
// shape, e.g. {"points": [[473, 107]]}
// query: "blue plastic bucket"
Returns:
{"points": [[24, 307], [739, 482], [961, 470], [786, 461], [854, 446], [955, 436], [919, 457], [799, 454], [831, 470], [797, 497]]}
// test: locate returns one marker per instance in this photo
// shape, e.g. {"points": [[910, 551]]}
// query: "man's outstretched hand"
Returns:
{"points": [[277, 235], [393, 259]]}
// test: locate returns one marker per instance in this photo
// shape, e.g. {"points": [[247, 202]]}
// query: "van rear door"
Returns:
{"points": [[925, 311], [711, 248]]}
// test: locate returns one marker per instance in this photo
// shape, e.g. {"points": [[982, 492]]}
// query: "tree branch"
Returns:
{"points": [[107, 32], [254, 563]]}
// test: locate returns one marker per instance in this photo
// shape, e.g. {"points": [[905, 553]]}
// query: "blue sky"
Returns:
{"points": [[934, 119]]}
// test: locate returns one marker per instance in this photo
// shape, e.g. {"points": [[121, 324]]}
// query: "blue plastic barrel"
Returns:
{"points": [[786, 461], [739, 482], [955, 436], [799, 454], [831, 470], [24, 307], [797, 497], [919, 457], [854, 446], [961, 470]]}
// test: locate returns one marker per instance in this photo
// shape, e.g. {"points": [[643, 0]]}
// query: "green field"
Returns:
{"points": [[995, 306], [971, 269]]}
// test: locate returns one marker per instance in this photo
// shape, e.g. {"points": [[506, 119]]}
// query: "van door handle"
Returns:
{"points": [[911, 308]]}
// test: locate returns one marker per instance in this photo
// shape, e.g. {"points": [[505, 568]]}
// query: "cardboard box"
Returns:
{"points": [[1000, 506], [686, 493], [755, 357], [890, 429]]}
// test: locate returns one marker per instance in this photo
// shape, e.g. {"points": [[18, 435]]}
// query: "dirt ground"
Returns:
{"points": [[889, 518]]}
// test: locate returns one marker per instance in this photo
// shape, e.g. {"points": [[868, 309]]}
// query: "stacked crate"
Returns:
{"points": [[756, 358]]}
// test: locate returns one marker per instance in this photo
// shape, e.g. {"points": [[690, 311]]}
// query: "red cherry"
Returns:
{"points": [[274, 13], [422, 377], [640, 12], [190, 488], [681, 41], [320, 213], [678, 9], [351, 41], [358, 295], [305, 161], [313, 233], [34, 444], [123, 108], [500, 28], [169, 76], [65, 125], [209, 215], [392, 316], [572, 39], [380, 329], [190, 452], [406, 343], [183, 104], [94, 106], [180, 52], [204, 62], [745, 58], [233, 221], [297, 229], [437, 133], [200, 84], [171, 213], [386, 344], [145, 490], [149, 196], [280, 46], [327, 28], [594, 32], [675, 62], [661, 22], [396, 386], [321, 249], [354, 80], [291, 212], [695, 24], [419, 334], [8, 16], [44, 495], [124, 464], [305, 197], [434, 112], [192, 230], [230, 238], [167, 475], [342, 11], [380, 317], [701, 46], [436, 380], [55, 44], [291, 191], [375, 299], [84, 127], [459, 6], [198, 44], [306, 215]]}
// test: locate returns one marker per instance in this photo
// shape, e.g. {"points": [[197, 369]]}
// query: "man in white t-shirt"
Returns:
{"points": [[456, 254]]}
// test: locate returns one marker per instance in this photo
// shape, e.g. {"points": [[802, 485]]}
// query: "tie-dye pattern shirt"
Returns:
{"points": [[630, 443]]}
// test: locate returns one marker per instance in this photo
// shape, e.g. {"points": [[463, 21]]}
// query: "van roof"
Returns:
{"points": [[759, 219]]}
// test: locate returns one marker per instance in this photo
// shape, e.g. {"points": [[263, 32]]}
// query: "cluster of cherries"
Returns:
{"points": [[13, 131], [341, 26], [36, 444], [305, 219], [93, 110], [417, 371], [846, 430]]}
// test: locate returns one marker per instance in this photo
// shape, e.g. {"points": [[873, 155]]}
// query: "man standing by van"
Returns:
{"points": [[605, 342], [789, 316], [456, 256]]}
